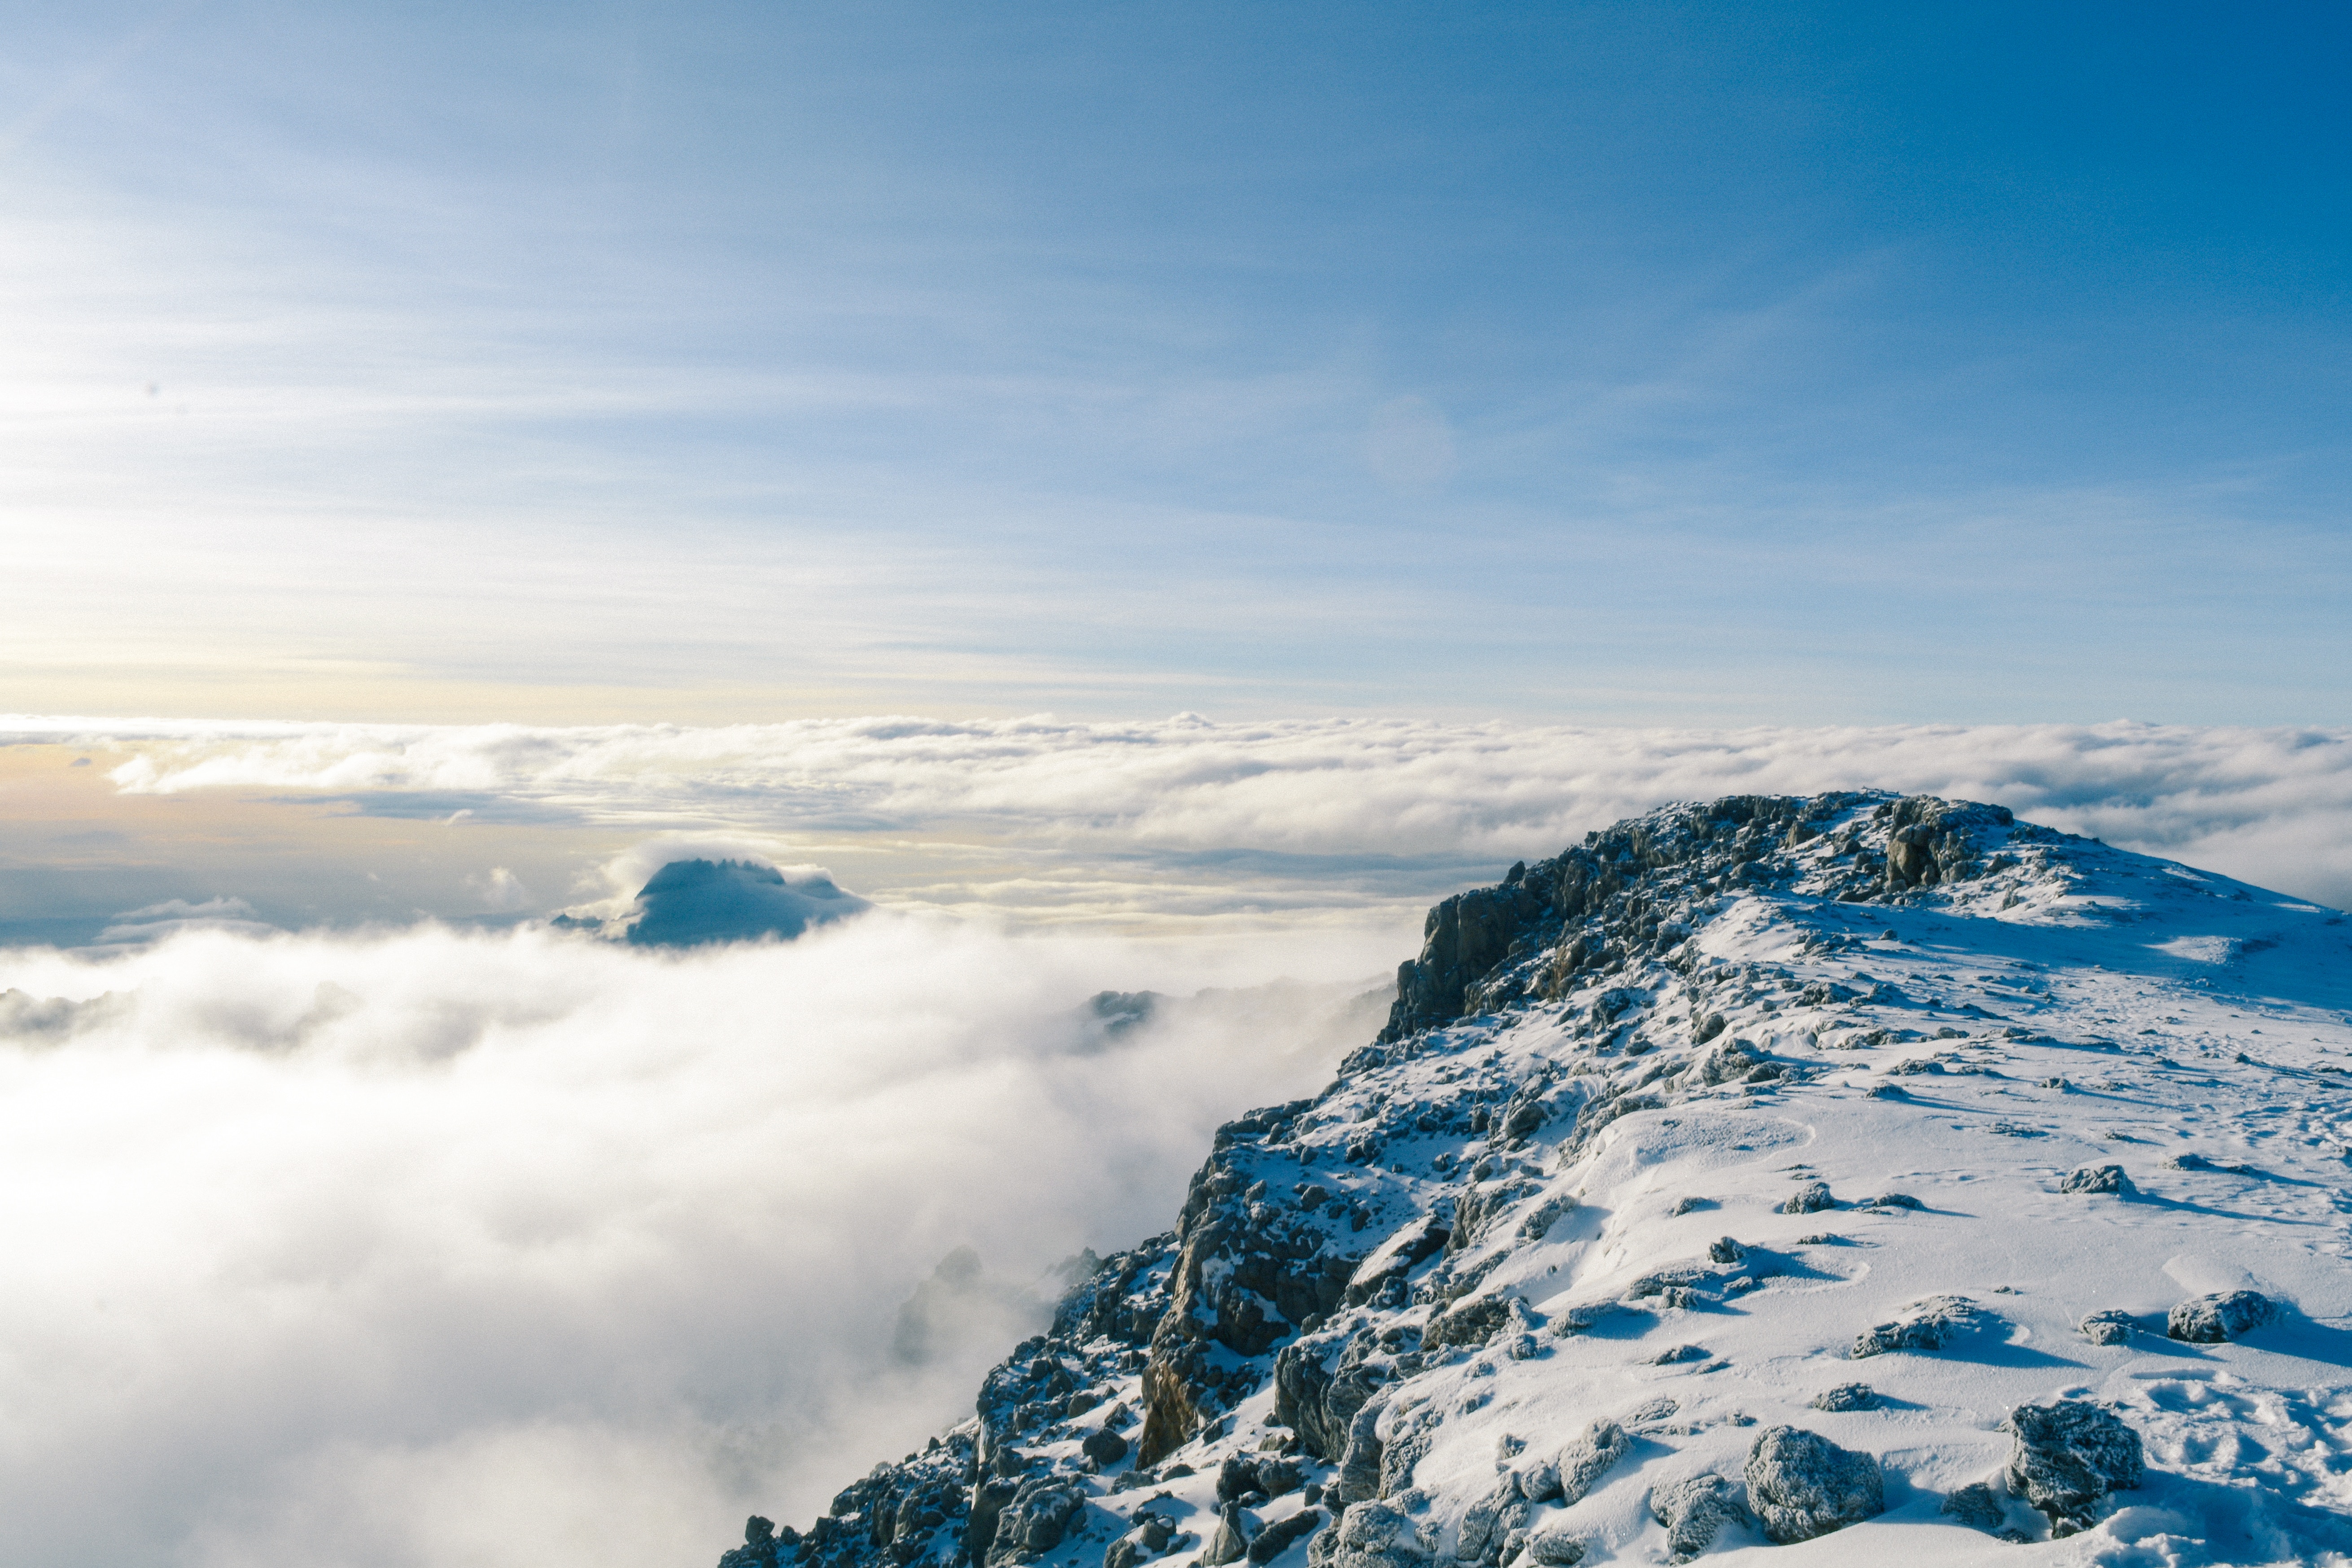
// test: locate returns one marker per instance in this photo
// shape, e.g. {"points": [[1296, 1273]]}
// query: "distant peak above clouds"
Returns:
{"points": [[695, 903]]}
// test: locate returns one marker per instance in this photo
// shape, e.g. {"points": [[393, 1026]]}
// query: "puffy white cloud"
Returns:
{"points": [[513, 1248]]}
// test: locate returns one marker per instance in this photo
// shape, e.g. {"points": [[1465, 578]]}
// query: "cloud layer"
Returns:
{"points": [[1357, 808], [448, 1249]]}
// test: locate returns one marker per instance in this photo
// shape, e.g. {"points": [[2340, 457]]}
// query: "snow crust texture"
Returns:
{"points": [[1574, 1263]]}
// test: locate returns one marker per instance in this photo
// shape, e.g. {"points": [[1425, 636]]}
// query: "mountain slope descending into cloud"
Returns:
{"points": [[430, 1249], [1896, 1123]]}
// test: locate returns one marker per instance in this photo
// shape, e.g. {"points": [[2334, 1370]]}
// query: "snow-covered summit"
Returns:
{"points": [[1842, 1179]]}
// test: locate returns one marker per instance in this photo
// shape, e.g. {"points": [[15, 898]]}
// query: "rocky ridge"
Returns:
{"points": [[1577, 1258]]}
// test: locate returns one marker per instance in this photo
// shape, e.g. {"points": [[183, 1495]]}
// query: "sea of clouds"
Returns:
{"points": [[1299, 800], [397, 1246], [454, 1249]]}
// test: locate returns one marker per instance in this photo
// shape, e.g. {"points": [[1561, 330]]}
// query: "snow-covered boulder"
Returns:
{"points": [[1803, 1485], [2065, 1458], [1694, 1511], [2221, 1317]]}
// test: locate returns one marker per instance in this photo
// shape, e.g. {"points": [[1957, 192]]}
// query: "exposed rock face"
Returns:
{"points": [[2067, 1457], [2217, 1318], [1803, 1485], [1450, 1312]]}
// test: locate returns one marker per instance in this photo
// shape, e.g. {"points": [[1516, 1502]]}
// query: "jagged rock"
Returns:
{"points": [[1472, 1322], [1487, 1524], [760, 1548], [1586, 1457], [1726, 1251], [1810, 1198], [1845, 1397], [2217, 1318], [990, 1498], [1540, 1221], [1243, 1474], [1103, 1446], [2097, 1179], [1360, 1466], [1320, 1404], [2109, 1328], [1228, 1543], [1693, 1511], [1279, 1537], [1035, 1519], [1803, 1485], [1373, 1535], [2067, 1457], [1122, 1553], [1928, 1325], [1891, 1201]]}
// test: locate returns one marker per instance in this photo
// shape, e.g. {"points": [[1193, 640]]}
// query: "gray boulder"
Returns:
{"points": [[1586, 1457], [1846, 1398], [1810, 1198], [1489, 1521], [2067, 1457], [1103, 1447], [2218, 1318], [1374, 1535], [2108, 1328], [1034, 1522], [1803, 1485], [1228, 1543], [1557, 1548], [1925, 1325], [2097, 1179], [1122, 1553], [1693, 1511], [1360, 1466], [1278, 1537]]}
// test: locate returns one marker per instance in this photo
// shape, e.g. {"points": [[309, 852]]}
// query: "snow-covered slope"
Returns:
{"points": [[1886, 1121]]}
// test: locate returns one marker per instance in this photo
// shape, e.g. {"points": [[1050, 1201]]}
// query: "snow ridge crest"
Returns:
{"points": [[1663, 1135]]}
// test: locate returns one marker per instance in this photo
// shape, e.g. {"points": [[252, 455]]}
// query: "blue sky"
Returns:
{"points": [[1606, 364]]}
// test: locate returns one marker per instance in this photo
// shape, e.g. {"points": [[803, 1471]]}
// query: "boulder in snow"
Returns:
{"points": [[2097, 1179], [1845, 1397], [2067, 1457], [1278, 1537], [1803, 1485], [2218, 1318], [1034, 1522], [1810, 1198], [1586, 1457], [1228, 1543], [1693, 1509], [1925, 1325], [2108, 1328]]}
